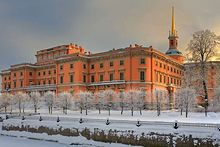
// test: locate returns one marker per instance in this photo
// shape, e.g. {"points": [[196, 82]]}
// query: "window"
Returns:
{"points": [[92, 78], [174, 70], [164, 79], [92, 66], [168, 68], [101, 65], [160, 78], [21, 83], [38, 73], [14, 84], [14, 74], [84, 78], [121, 62], [30, 73], [21, 74], [44, 73], [71, 66], [111, 77], [49, 72], [54, 71], [111, 64], [156, 63], [71, 78], [54, 81], [9, 78], [168, 80], [44, 82], [38, 82], [171, 80], [61, 67], [49, 82], [5, 86], [171, 69], [142, 61], [61, 79], [84, 66], [142, 76], [164, 66], [121, 76], [177, 71], [5, 78], [160, 65], [174, 81], [101, 78]]}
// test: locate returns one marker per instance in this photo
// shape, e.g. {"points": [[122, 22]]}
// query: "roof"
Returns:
{"points": [[173, 52]]}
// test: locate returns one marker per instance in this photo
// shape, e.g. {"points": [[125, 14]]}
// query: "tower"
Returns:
{"points": [[173, 42]]}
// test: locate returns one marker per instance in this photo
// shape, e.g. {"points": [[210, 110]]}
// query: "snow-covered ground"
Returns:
{"points": [[198, 126]]}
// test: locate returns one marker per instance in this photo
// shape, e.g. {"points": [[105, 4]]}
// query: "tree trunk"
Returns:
{"points": [[5, 109], [181, 111], [99, 110], [140, 111], [122, 109], [63, 110], [132, 111], [51, 110], [205, 88], [23, 109], [35, 109], [81, 110], [186, 110], [109, 111], [86, 111], [19, 106]]}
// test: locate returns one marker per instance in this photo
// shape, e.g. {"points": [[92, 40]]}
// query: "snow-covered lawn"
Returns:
{"points": [[6, 141]]}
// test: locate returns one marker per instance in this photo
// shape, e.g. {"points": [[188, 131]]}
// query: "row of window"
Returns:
{"points": [[169, 68], [44, 72], [101, 65], [101, 77], [166, 79]]}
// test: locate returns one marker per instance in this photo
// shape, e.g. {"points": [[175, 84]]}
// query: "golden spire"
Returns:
{"points": [[173, 23]]}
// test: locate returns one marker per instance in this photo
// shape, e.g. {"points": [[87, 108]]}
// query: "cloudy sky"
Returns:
{"points": [[98, 25]]}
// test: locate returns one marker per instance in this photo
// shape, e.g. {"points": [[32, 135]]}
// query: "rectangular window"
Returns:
{"points": [[171, 69], [101, 78], [14, 74], [164, 79], [21, 83], [54, 81], [84, 78], [168, 80], [71, 66], [44, 73], [44, 82], [49, 72], [121, 76], [38, 82], [121, 62], [111, 77], [49, 82], [14, 84], [164, 66], [111, 64], [92, 66], [38, 73], [142, 76], [71, 78], [160, 78], [30, 73], [54, 71], [156, 63], [61, 67], [101, 65], [160, 65], [92, 78], [142, 61], [84, 66], [61, 79], [171, 80], [21, 74]]}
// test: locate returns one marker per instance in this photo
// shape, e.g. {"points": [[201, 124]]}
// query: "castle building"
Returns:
{"points": [[71, 68]]}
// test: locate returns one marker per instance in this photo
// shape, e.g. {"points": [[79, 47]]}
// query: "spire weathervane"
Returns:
{"points": [[173, 23]]}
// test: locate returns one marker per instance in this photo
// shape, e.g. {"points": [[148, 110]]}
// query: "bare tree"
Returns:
{"points": [[5, 101], [140, 101], [49, 97], [216, 100], [19, 97], [158, 97], [121, 99], [85, 100], [201, 48], [109, 97], [131, 97], [186, 99], [35, 99], [100, 100], [65, 100]]}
